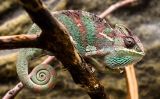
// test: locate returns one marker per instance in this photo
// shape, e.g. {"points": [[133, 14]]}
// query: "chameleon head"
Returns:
{"points": [[127, 48]]}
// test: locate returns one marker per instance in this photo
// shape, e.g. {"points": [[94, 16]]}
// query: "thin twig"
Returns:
{"points": [[49, 60], [14, 91], [132, 86], [115, 7]]}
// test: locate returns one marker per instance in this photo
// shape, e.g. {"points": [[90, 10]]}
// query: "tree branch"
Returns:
{"points": [[55, 39], [18, 41]]}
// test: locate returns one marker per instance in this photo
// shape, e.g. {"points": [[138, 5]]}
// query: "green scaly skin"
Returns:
{"points": [[92, 36]]}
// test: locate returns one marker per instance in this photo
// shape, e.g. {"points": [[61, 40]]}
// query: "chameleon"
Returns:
{"points": [[92, 36]]}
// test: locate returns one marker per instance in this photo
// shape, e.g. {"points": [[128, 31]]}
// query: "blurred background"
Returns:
{"points": [[142, 17]]}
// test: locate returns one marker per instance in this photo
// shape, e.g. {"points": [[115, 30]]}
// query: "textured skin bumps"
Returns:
{"points": [[91, 36], [112, 61]]}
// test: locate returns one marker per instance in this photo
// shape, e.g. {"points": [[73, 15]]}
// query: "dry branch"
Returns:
{"points": [[132, 86], [18, 41], [115, 7], [13, 92]]}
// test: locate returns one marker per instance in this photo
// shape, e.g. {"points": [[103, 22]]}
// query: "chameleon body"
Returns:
{"points": [[92, 36]]}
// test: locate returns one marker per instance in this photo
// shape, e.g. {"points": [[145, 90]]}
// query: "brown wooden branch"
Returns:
{"points": [[18, 41], [55, 39]]}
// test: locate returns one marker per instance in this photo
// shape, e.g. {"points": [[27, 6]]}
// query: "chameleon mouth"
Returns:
{"points": [[139, 53], [131, 51]]}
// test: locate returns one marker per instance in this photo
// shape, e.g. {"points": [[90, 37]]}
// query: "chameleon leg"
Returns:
{"points": [[42, 77]]}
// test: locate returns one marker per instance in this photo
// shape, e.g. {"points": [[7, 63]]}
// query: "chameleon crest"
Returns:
{"points": [[92, 36]]}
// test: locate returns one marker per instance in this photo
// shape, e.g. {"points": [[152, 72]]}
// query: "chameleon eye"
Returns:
{"points": [[129, 42]]}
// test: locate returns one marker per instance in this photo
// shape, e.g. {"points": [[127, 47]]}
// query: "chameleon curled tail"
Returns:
{"points": [[42, 77]]}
